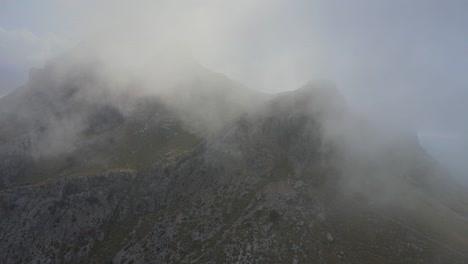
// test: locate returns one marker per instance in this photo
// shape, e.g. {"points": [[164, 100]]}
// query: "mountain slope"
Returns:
{"points": [[69, 116], [290, 178]]}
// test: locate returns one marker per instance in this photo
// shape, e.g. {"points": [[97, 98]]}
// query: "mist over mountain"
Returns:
{"points": [[166, 161]]}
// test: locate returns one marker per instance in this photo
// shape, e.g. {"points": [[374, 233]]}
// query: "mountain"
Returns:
{"points": [[204, 170]]}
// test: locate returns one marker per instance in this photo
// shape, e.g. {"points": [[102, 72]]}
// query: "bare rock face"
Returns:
{"points": [[298, 180], [60, 220]]}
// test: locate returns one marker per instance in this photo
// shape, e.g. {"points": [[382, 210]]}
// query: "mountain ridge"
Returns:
{"points": [[199, 176]]}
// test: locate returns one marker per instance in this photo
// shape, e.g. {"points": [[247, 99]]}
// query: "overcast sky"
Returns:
{"points": [[405, 61]]}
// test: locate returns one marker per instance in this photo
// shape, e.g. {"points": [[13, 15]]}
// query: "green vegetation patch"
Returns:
{"points": [[132, 146]]}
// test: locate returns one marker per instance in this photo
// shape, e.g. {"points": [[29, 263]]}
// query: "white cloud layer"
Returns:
{"points": [[400, 60], [21, 50]]}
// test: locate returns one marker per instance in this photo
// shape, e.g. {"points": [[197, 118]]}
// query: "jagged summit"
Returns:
{"points": [[317, 98], [322, 92]]}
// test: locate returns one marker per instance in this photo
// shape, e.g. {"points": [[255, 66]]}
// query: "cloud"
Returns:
{"points": [[21, 50], [397, 60]]}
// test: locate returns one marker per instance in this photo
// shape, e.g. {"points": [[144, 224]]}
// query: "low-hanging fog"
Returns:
{"points": [[398, 61]]}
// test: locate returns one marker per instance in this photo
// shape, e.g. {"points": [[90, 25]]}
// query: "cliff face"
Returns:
{"points": [[292, 178]]}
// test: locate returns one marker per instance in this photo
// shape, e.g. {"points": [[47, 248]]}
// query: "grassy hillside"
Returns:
{"points": [[145, 138]]}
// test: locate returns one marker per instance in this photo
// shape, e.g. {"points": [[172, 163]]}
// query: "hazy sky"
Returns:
{"points": [[402, 60]]}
